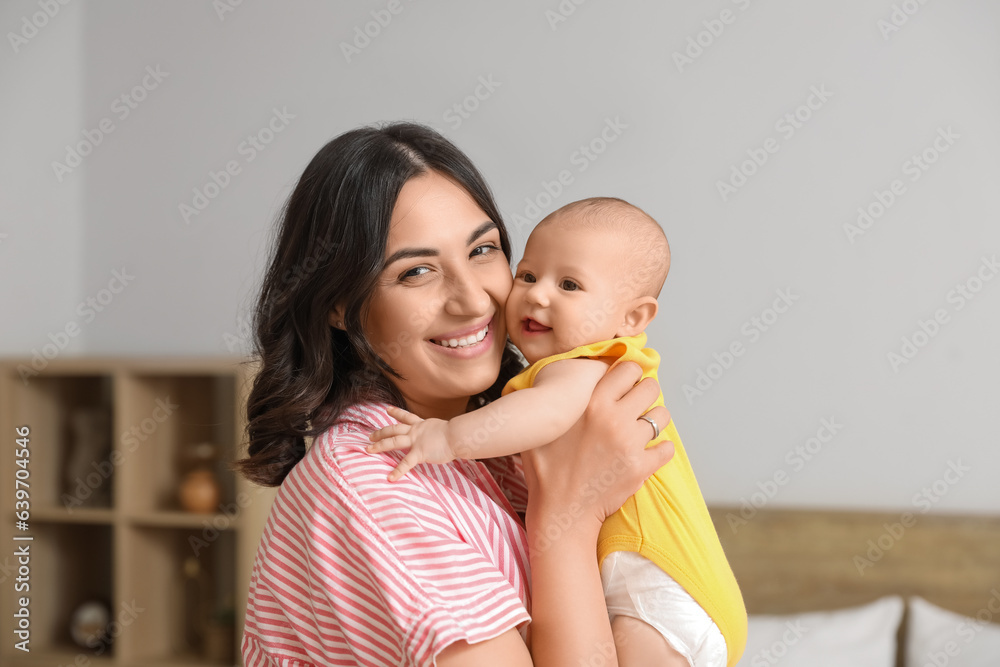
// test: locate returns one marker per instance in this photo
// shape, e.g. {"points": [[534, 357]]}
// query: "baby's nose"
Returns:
{"points": [[537, 294]]}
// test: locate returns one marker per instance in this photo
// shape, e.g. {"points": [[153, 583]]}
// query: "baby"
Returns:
{"points": [[583, 295]]}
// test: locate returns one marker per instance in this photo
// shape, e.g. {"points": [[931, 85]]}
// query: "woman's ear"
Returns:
{"points": [[641, 312], [337, 317]]}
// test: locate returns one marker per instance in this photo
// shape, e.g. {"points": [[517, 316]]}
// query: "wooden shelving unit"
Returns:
{"points": [[109, 527]]}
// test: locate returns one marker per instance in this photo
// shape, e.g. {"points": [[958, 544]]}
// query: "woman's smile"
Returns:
{"points": [[468, 342]]}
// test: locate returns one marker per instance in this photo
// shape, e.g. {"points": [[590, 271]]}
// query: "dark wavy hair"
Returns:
{"points": [[330, 249]]}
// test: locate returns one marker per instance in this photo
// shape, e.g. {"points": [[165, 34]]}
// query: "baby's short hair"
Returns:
{"points": [[649, 259]]}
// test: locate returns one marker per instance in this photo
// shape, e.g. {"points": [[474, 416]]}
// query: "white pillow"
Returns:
{"points": [[862, 636], [937, 637]]}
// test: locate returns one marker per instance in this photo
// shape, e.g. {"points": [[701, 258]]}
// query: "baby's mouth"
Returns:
{"points": [[534, 327]]}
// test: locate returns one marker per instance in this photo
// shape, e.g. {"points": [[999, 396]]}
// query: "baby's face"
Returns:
{"points": [[570, 289]]}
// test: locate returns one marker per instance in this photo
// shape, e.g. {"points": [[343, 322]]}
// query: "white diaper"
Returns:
{"points": [[635, 586]]}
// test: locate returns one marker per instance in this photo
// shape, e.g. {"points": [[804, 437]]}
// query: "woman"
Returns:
{"points": [[387, 286]]}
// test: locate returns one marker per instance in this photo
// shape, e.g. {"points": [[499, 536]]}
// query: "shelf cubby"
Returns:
{"points": [[71, 416], [70, 564], [163, 415], [182, 605]]}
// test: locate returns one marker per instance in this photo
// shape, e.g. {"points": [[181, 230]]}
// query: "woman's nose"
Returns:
{"points": [[467, 296]]}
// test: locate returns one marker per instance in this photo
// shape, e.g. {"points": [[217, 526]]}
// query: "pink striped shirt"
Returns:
{"points": [[355, 570]]}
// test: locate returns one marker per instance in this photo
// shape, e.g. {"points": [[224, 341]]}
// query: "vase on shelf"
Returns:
{"points": [[89, 625], [86, 475], [199, 490]]}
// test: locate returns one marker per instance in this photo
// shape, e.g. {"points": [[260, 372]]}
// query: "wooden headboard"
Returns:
{"points": [[790, 561]]}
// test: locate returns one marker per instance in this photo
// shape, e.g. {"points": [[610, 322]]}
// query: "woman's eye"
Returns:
{"points": [[570, 286], [484, 249], [414, 272]]}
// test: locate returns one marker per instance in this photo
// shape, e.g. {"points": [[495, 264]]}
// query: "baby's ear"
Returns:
{"points": [[641, 312]]}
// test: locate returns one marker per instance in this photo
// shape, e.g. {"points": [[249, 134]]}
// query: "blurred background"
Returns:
{"points": [[825, 173], [753, 132]]}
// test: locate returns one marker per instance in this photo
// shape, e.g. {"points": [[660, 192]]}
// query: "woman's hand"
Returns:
{"points": [[583, 477], [574, 483]]}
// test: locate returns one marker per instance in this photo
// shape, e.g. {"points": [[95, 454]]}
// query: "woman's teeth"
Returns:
{"points": [[462, 342]]}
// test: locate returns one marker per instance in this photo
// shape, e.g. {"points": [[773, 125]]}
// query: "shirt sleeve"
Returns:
{"points": [[445, 562], [362, 571], [255, 654]]}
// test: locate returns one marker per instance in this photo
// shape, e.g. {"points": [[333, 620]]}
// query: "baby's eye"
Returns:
{"points": [[569, 286], [526, 277]]}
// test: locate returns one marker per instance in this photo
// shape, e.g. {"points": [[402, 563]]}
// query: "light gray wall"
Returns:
{"points": [[555, 87], [42, 223]]}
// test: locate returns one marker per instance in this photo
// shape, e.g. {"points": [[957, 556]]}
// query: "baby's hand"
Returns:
{"points": [[427, 440]]}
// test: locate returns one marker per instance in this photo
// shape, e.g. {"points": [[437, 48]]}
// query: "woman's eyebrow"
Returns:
{"points": [[407, 253], [480, 230]]}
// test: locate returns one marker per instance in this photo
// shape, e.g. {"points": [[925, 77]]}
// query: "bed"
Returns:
{"points": [[830, 587]]}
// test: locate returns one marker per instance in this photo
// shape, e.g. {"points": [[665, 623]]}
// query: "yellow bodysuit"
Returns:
{"points": [[666, 520]]}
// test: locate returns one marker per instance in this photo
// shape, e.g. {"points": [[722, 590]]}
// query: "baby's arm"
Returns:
{"points": [[519, 421]]}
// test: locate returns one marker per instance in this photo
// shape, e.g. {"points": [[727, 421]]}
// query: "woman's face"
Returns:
{"points": [[437, 313]]}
